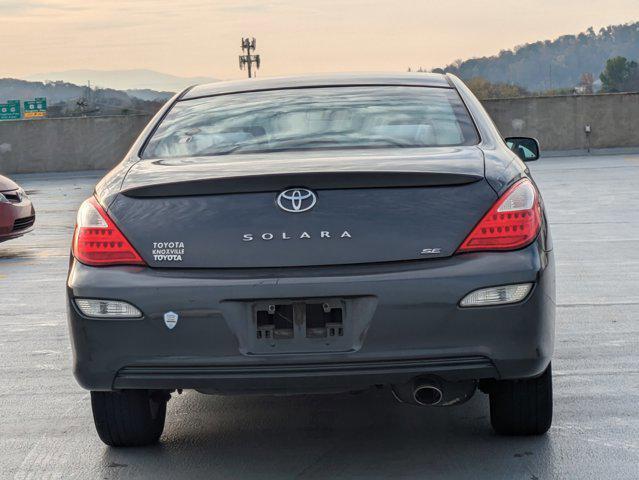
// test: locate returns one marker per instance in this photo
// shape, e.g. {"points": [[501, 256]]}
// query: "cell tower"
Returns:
{"points": [[248, 46]]}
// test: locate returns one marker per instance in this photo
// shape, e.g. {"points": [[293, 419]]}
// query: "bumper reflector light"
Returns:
{"points": [[496, 295], [106, 308]]}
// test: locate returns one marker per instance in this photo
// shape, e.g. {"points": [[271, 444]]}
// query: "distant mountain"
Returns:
{"points": [[123, 79], [553, 64], [14, 89], [149, 95], [66, 99]]}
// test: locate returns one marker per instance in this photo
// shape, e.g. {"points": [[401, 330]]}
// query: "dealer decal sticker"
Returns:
{"points": [[168, 251]]}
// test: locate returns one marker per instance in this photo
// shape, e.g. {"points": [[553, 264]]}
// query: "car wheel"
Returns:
{"points": [[129, 418], [522, 407]]}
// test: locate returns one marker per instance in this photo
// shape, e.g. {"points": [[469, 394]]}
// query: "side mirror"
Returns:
{"points": [[526, 148]]}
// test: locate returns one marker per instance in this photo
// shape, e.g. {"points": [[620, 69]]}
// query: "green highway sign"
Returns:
{"points": [[10, 110], [35, 108]]}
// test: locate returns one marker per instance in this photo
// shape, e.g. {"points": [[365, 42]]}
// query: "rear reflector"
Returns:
{"points": [[513, 221], [496, 295], [95, 308], [97, 240]]}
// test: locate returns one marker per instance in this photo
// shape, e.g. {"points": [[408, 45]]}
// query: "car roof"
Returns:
{"points": [[306, 81]]}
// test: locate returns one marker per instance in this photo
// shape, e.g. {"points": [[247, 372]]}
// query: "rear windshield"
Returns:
{"points": [[313, 119]]}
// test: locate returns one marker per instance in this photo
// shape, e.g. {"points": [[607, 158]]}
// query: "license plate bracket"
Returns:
{"points": [[300, 326]]}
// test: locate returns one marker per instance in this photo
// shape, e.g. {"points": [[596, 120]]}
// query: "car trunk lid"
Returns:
{"points": [[371, 206]]}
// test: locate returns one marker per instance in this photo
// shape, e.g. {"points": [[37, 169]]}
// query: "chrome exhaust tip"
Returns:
{"points": [[427, 395], [432, 391]]}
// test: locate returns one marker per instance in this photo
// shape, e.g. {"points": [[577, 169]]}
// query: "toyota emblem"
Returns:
{"points": [[296, 200]]}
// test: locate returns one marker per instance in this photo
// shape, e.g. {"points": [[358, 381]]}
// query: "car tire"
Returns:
{"points": [[129, 418], [522, 407]]}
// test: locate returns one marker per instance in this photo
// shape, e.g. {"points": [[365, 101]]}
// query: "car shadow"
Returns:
{"points": [[368, 435], [16, 253]]}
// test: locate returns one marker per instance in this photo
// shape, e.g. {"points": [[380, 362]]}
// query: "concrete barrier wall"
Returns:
{"points": [[559, 122], [67, 144], [95, 143]]}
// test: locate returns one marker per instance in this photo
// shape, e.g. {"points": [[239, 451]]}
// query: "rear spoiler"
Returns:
{"points": [[312, 180]]}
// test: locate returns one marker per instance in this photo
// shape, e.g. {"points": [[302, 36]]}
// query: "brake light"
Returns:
{"points": [[98, 241], [513, 221]]}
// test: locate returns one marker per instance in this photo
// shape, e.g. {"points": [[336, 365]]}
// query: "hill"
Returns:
{"points": [[123, 79], [148, 94], [553, 64], [67, 99]]}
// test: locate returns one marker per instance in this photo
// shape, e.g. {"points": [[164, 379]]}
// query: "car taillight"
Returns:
{"points": [[513, 221], [98, 241]]}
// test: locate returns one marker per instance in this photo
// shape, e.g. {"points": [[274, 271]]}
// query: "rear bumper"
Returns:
{"points": [[415, 325], [301, 377]]}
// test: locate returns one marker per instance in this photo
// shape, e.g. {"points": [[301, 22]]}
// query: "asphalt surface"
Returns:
{"points": [[46, 428]]}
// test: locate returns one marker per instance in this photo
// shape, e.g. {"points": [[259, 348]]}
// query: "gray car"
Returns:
{"points": [[316, 234]]}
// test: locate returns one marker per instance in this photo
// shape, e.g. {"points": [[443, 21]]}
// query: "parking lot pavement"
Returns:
{"points": [[46, 429]]}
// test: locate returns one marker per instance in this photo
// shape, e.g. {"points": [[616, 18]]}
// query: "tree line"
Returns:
{"points": [[584, 63]]}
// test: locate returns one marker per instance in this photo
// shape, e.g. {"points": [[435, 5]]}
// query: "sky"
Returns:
{"points": [[202, 37]]}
